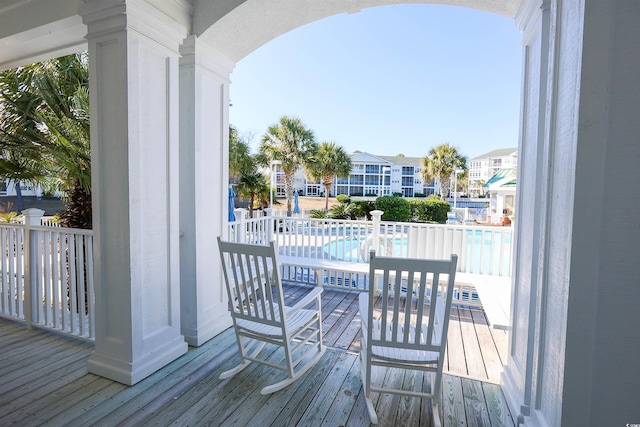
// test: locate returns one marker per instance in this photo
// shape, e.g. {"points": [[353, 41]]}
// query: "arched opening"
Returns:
{"points": [[389, 80]]}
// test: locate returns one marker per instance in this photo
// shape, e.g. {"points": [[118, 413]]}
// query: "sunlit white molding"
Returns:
{"points": [[135, 177], [204, 168]]}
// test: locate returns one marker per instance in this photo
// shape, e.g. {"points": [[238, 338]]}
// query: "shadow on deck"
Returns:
{"points": [[44, 380]]}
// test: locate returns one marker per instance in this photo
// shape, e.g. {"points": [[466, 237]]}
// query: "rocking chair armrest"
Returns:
{"points": [[306, 300]]}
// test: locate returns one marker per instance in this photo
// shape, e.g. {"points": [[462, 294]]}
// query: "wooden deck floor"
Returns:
{"points": [[44, 381]]}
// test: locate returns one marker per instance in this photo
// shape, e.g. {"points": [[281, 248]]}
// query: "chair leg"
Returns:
{"points": [[436, 414], [231, 372], [365, 375], [284, 383], [373, 417]]}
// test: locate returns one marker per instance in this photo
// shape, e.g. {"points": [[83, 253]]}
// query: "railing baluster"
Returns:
{"points": [[72, 294]]}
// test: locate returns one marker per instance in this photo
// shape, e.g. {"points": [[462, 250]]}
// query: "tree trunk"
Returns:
{"points": [[288, 192], [19, 201], [326, 195]]}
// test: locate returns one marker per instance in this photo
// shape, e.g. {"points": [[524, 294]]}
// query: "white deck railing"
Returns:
{"points": [[46, 277], [480, 249]]}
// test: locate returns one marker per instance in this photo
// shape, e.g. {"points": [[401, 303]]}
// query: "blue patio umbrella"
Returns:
{"points": [[296, 208], [232, 195]]}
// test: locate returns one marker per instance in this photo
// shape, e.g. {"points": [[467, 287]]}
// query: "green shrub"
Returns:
{"points": [[318, 213], [363, 208], [394, 208], [342, 211], [343, 198], [429, 210]]}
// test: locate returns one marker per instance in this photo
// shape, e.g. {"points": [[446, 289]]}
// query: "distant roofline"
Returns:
{"points": [[500, 152]]}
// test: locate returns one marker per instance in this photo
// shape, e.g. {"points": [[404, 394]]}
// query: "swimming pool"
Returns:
{"points": [[483, 252]]}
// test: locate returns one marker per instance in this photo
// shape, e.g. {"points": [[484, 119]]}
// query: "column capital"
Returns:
{"points": [[196, 52], [104, 17]]}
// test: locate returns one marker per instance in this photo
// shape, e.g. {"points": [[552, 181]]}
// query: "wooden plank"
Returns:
{"points": [[426, 405], [359, 414], [96, 397], [189, 406], [347, 339], [453, 408], [162, 392], [178, 400], [387, 405], [329, 313], [473, 355], [29, 347], [409, 406], [455, 355], [335, 398], [243, 391], [126, 402], [499, 413], [26, 378], [298, 399], [474, 403], [280, 404], [47, 407], [501, 338], [20, 410], [188, 391], [345, 311], [490, 355], [321, 403]]}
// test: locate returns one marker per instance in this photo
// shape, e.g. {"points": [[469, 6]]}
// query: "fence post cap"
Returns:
{"points": [[33, 212]]}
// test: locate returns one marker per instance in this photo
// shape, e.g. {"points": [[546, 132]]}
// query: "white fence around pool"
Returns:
{"points": [[481, 249], [46, 277]]}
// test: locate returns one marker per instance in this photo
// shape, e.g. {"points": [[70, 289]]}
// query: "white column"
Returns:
{"points": [[204, 183], [133, 54], [601, 353], [529, 240], [574, 344]]}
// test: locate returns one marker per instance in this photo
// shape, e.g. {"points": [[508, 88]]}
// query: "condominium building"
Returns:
{"points": [[371, 176], [483, 167]]}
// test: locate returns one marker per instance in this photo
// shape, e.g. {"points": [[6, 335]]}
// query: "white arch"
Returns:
{"points": [[241, 30]]}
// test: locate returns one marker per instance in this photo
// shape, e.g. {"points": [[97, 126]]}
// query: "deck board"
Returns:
{"points": [[44, 380]]}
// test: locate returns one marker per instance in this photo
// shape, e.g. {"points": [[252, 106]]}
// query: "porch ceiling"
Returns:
{"points": [[33, 30], [241, 30]]}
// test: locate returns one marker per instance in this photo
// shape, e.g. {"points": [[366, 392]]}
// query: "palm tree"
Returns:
{"points": [[441, 163], [293, 144], [240, 159], [44, 127], [253, 185], [330, 161]]}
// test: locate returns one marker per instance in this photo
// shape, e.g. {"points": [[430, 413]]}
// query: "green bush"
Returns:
{"points": [[394, 208], [429, 210], [363, 208], [342, 211], [343, 198], [318, 213]]}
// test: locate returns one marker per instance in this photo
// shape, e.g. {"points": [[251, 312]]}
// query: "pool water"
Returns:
{"points": [[479, 257]]}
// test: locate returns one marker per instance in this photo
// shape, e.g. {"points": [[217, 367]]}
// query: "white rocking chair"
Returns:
{"points": [[409, 329], [260, 317]]}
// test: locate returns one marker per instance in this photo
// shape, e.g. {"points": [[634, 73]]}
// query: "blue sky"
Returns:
{"points": [[389, 80]]}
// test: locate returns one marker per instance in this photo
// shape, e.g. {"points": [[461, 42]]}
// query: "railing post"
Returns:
{"points": [[241, 224], [269, 222], [376, 217], [32, 218]]}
